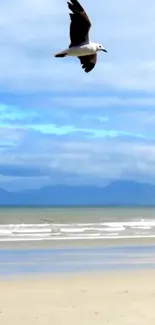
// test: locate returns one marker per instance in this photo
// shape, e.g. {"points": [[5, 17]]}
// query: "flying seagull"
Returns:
{"points": [[80, 45]]}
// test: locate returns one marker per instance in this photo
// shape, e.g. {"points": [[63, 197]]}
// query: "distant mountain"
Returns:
{"points": [[123, 193]]}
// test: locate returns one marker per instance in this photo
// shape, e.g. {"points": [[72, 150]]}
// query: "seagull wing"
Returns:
{"points": [[88, 62], [80, 24]]}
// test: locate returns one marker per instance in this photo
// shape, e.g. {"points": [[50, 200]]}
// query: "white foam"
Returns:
{"points": [[47, 231]]}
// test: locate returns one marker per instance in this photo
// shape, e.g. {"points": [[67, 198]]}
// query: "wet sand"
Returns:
{"points": [[77, 243]]}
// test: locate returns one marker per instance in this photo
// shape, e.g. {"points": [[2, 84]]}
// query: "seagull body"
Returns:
{"points": [[80, 45], [81, 50]]}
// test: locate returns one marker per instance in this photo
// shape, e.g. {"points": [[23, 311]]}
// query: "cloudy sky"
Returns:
{"points": [[61, 125]]}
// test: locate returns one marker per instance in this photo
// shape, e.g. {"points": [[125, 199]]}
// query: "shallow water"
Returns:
{"points": [[14, 262]]}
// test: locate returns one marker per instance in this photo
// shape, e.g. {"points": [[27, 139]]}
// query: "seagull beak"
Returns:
{"points": [[104, 50]]}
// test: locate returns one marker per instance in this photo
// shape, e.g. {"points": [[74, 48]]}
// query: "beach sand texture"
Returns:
{"points": [[120, 298]]}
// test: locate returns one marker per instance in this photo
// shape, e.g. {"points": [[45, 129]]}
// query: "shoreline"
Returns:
{"points": [[41, 244]]}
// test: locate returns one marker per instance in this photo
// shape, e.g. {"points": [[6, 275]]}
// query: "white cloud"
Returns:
{"points": [[86, 161]]}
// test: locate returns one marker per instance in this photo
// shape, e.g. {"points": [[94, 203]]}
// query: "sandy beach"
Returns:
{"points": [[86, 281], [103, 298]]}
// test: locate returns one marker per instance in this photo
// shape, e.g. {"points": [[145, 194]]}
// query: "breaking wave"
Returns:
{"points": [[74, 231]]}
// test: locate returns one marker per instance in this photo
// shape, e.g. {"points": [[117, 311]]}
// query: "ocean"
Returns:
{"points": [[57, 224]]}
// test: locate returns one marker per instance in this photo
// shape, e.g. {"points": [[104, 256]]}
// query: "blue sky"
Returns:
{"points": [[61, 125]]}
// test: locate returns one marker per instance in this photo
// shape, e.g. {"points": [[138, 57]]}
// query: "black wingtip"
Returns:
{"points": [[76, 5]]}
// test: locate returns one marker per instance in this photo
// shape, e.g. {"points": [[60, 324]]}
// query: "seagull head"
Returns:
{"points": [[101, 48]]}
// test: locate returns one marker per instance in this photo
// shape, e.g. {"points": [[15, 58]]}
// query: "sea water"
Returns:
{"points": [[66, 223]]}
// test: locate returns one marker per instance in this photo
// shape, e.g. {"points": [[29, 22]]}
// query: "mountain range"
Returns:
{"points": [[118, 193]]}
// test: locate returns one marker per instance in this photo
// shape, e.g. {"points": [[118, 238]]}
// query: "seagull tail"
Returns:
{"points": [[60, 54]]}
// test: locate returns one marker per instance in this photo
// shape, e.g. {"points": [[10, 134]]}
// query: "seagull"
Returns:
{"points": [[80, 45]]}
